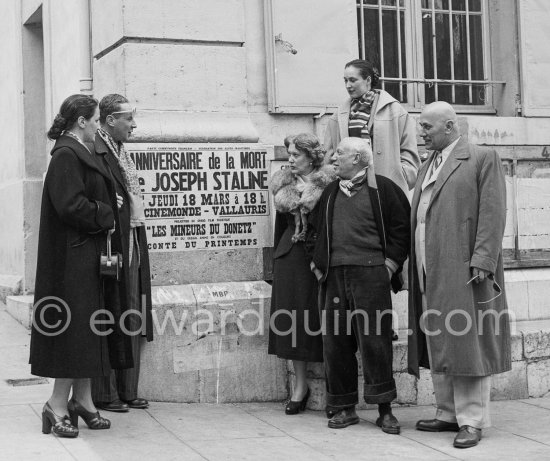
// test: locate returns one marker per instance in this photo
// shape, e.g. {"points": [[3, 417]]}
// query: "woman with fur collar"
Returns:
{"points": [[295, 326]]}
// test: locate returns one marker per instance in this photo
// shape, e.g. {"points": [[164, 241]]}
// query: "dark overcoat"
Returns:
{"points": [[117, 292], [294, 296], [465, 223], [76, 213]]}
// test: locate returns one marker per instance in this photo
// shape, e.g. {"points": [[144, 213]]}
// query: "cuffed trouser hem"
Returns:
{"points": [[380, 393], [446, 416], [474, 423], [343, 400], [463, 399]]}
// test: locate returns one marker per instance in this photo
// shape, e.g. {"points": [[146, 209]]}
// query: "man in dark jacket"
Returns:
{"points": [[119, 391], [363, 240]]}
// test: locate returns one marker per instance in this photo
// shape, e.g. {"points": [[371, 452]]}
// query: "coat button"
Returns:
{"points": [[379, 152]]}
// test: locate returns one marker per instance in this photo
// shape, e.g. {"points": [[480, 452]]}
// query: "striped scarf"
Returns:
{"points": [[350, 187], [359, 115], [129, 173]]}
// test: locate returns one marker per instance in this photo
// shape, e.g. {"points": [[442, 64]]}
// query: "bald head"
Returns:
{"points": [[351, 156], [438, 125], [442, 110]]}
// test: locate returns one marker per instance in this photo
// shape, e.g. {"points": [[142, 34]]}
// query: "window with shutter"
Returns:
{"points": [[308, 42]]}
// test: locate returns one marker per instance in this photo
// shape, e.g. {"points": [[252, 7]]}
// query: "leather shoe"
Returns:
{"points": [[343, 418], [116, 406], [467, 437], [389, 424], [137, 403], [436, 425]]}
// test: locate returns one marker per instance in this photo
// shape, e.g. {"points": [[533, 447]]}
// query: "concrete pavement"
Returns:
{"points": [[248, 431]]}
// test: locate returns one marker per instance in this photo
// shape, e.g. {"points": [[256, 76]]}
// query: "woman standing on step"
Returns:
{"points": [[76, 215], [374, 114], [295, 326]]}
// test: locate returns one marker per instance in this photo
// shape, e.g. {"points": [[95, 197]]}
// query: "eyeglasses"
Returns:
{"points": [[133, 111], [496, 287]]}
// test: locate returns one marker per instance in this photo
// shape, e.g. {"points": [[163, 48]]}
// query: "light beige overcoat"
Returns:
{"points": [[395, 150], [465, 223]]}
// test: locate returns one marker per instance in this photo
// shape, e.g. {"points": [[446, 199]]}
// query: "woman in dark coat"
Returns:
{"points": [[68, 341], [295, 327]]}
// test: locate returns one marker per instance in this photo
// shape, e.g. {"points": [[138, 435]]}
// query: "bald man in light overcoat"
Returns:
{"points": [[457, 306]]}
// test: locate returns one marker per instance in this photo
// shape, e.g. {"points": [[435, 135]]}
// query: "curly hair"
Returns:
{"points": [[366, 69], [75, 106], [288, 139], [310, 145]]}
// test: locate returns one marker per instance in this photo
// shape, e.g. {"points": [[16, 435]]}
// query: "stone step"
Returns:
{"points": [[10, 285], [20, 308], [527, 294], [211, 346], [529, 376]]}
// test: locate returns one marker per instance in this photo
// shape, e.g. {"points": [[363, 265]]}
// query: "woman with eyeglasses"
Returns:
{"points": [[68, 340]]}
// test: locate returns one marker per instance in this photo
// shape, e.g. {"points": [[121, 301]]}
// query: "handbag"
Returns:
{"points": [[110, 264]]}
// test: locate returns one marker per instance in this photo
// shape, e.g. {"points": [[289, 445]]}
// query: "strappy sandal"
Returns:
{"points": [[93, 420], [59, 425]]}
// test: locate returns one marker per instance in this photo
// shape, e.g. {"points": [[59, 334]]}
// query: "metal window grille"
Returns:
{"points": [[428, 50], [382, 41]]}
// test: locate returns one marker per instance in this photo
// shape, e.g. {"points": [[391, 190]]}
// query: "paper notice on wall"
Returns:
{"points": [[204, 196]]}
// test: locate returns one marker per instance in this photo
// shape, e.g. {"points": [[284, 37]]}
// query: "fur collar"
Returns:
{"points": [[288, 198]]}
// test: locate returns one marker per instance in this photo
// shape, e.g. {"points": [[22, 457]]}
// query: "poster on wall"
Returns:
{"points": [[205, 196]]}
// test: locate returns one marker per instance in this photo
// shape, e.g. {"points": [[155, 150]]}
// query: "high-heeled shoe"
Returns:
{"points": [[60, 425], [93, 420], [293, 408]]}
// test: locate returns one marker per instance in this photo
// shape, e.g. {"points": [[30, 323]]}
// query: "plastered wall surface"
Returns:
{"points": [[12, 159]]}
